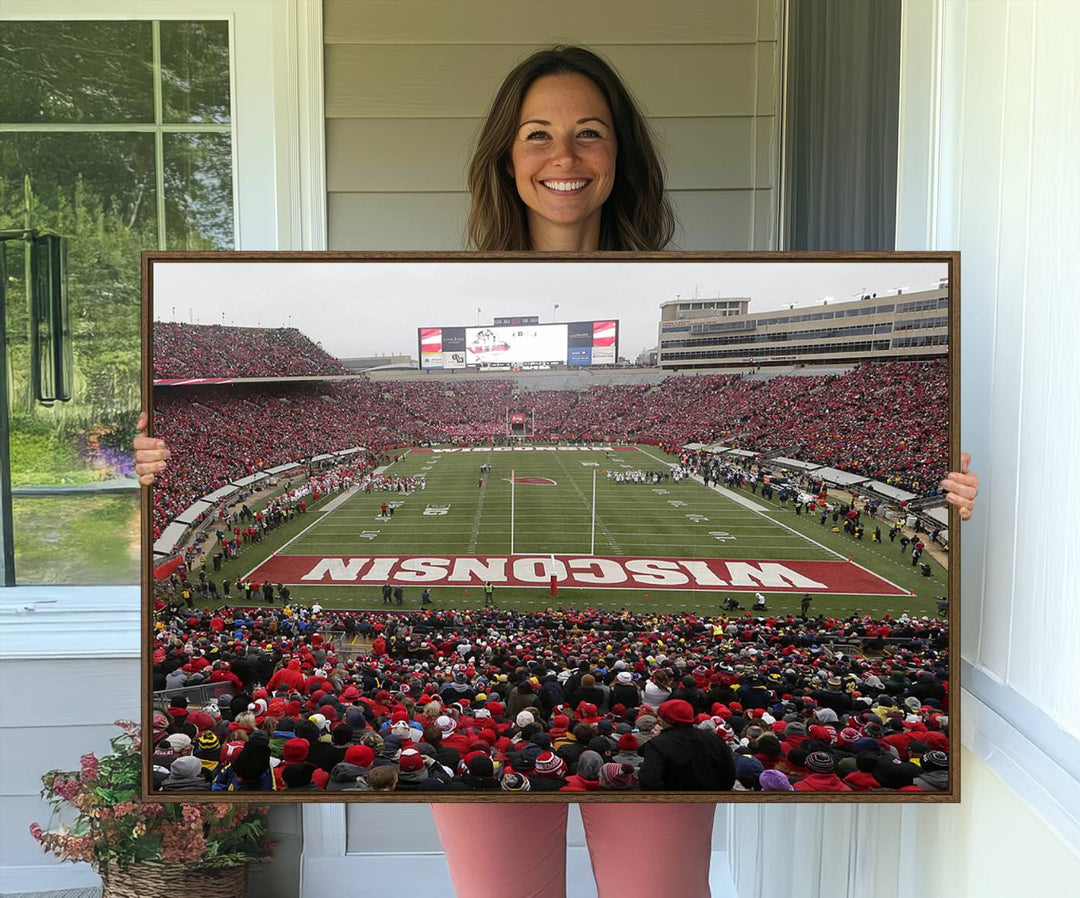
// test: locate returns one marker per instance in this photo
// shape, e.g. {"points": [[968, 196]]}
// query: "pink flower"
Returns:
{"points": [[90, 767], [181, 842], [123, 808], [65, 788], [37, 832]]}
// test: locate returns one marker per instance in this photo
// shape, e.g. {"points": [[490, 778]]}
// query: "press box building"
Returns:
{"points": [[721, 332]]}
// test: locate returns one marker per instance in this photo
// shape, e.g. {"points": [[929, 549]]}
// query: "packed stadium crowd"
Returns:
{"points": [[222, 436], [551, 700], [885, 421], [216, 350]]}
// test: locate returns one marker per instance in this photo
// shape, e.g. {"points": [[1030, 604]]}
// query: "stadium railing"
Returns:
{"points": [[196, 695]]}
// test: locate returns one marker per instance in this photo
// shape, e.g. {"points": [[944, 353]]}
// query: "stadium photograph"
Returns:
{"points": [[436, 526]]}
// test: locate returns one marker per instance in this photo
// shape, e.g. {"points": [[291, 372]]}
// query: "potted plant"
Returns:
{"points": [[147, 848]]}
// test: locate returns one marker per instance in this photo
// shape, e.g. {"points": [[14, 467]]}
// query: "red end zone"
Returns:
{"points": [[577, 572]]}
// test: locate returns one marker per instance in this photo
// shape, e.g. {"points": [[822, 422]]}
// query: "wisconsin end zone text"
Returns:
{"points": [[583, 572]]}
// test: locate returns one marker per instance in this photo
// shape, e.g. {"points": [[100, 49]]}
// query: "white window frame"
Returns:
{"points": [[279, 204], [279, 171], [1022, 744]]}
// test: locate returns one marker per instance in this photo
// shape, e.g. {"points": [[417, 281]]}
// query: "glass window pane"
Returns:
{"points": [[108, 175], [76, 72], [79, 540], [198, 192], [195, 72], [98, 191], [75, 502]]}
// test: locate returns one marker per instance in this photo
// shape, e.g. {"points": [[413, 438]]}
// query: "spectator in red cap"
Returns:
{"points": [[628, 751], [294, 751], [684, 757], [350, 775]]}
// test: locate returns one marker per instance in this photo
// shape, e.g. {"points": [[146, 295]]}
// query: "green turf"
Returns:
{"points": [[632, 519]]}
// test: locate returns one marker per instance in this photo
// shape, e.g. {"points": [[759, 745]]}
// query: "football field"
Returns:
{"points": [[558, 512]]}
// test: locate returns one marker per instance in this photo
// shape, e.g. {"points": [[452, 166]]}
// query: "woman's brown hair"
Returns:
{"points": [[637, 215]]}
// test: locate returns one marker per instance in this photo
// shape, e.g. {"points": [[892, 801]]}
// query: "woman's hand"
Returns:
{"points": [[151, 454], [962, 487]]}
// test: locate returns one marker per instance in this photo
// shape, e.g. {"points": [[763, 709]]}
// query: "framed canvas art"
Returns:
{"points": [[595, 527]]}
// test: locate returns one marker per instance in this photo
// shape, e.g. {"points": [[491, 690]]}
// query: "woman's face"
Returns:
{"points": [[563, 161]]}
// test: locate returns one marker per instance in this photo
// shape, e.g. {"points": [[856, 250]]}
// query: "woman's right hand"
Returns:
{"points": [[151, 454]]}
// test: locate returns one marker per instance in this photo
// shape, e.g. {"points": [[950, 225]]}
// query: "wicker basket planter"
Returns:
{"points": [[174, 881]]}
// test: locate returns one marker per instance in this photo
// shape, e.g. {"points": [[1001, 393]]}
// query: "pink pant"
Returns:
{"points": [[520, 849]]}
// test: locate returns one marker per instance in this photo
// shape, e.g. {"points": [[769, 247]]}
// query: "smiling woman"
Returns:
{"points": [[563, 160], [561, 117]]}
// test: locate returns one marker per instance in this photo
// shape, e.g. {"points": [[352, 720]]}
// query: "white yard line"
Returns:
{"points": [[723, 491], [320, 516], [475, 531], [662, 461], [600, 526], [754, 507], [279, 550]]}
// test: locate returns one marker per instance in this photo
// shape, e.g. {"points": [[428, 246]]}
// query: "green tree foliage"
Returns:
{"points": [[99, 190], [76, 72], [105, 237]]}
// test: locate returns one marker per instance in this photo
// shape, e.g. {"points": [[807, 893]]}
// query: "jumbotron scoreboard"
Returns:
{"points": [[576, 343]]}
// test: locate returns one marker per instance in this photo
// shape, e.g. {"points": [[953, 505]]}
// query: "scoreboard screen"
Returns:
{"points": [[500, 346]]}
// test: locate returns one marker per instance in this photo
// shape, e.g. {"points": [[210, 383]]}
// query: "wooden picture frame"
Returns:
{"points": [[305, 293]]}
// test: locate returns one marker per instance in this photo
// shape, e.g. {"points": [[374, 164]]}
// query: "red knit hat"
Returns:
{"points": [[229, 751], [360, 755], [676, 710], [295, 750], [410, 760], [550, 764], [628, 742], [201, 720]]}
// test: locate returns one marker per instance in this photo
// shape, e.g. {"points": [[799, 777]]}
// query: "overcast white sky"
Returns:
{"points": [[375, 308]]}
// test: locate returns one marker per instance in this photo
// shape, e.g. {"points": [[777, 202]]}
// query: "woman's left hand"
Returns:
{"points": [[151, 455], [962, 487]]}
